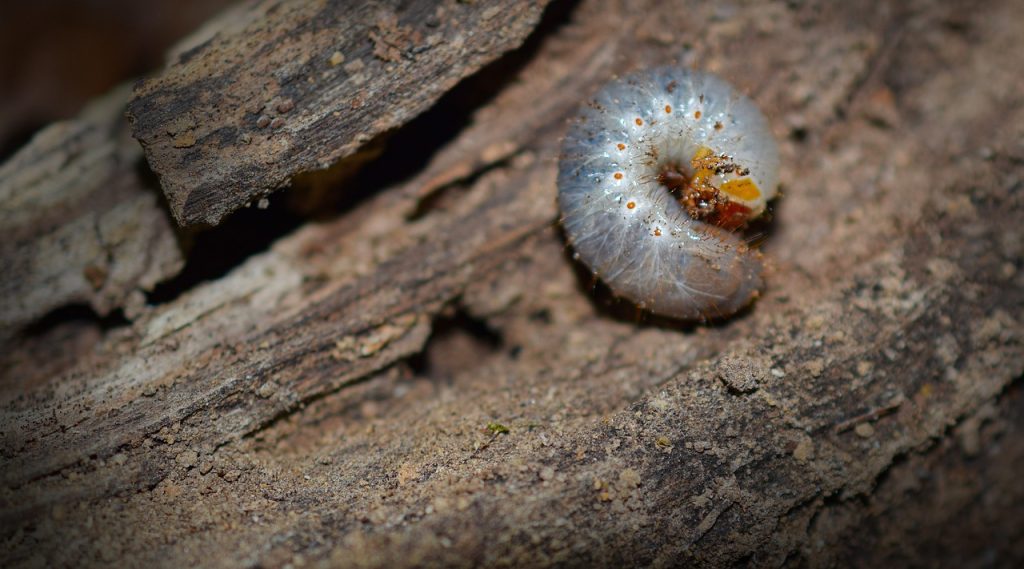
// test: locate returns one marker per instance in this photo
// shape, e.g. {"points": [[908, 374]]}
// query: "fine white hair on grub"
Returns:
{"points": [[657, 173]]}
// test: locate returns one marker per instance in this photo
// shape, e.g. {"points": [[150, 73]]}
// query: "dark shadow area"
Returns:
{"points": [[74, 314], [458, 343], [398, 156], [57, 55], [211, 253], [53, 344], [386, 161]]}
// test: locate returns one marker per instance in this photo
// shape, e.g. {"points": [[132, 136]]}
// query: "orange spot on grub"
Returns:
{"points": [[630, 205], [668, 108], [657, 232], [639, 122], [742, 188], [622, 146], [696, 114], [618, 175]]}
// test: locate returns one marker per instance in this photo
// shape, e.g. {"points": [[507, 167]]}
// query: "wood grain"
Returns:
{"points": [[81, 222], [342, 399], [289, 87]]}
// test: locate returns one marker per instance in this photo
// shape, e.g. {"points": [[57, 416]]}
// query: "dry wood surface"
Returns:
{"points": [[291, 86], [423, 376], [81, 223]]}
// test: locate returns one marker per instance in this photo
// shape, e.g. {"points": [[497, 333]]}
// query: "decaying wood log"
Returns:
{"points": [[80, 222], [428, 380], [302, 84]]}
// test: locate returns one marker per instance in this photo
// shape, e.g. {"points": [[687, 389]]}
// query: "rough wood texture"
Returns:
{"points": [[80, 222], [288, 87], [342, 398]]}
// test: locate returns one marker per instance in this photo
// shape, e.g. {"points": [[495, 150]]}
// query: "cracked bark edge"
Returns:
{"points": [[80, 223], [302, 85], [300, 351]]}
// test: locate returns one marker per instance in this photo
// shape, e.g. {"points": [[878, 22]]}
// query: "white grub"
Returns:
{"points": [[647, 243]]}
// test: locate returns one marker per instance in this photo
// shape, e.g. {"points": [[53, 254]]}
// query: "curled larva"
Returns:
{"points": [[656, 175]]}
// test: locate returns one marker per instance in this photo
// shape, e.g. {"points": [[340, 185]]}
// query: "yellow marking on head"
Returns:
{"points": [[703, 152], [742, 188], [702, 173]]}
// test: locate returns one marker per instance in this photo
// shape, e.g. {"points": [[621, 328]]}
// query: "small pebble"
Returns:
{"points": [[188, 458], [864, 430], [629, 478], [804, 450]]}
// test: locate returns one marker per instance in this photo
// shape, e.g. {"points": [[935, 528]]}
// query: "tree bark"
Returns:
{"points": [[427, 378], [287, 87], [82, 222]]}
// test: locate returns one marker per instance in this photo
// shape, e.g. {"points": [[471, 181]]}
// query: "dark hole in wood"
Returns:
{"points": [[211, 253], [454, 111], [54, 343], [74, 315], [458, 343]]}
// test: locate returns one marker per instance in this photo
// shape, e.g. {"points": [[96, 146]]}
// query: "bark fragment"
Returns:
{"points": [[300, 85]]}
